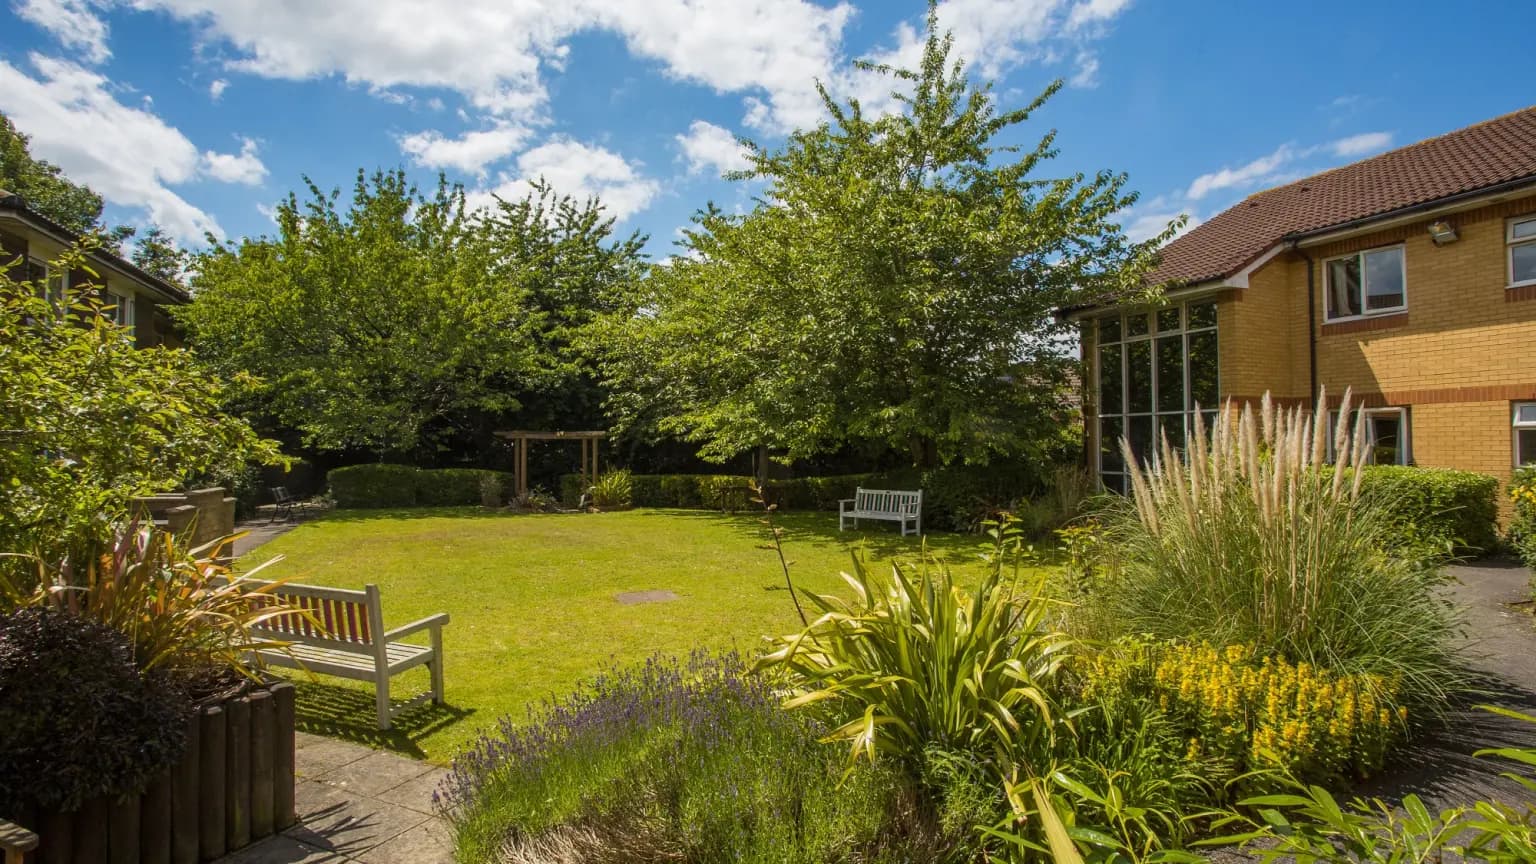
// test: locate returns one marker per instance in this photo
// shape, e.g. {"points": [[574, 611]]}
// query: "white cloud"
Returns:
{"points": [[1087, 72], [217, 88], [1140, 227], [244, 167], [1263, 168], [470, 152], [707, 146], [128, 155], [73, 22], [1090, 13], [579, 170], [1360, 145]]}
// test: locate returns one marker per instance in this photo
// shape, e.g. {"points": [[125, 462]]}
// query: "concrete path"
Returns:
{"points": [[1441, 769], [357, 804], [259, 531]]}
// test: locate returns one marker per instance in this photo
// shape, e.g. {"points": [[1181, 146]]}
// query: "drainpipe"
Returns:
{"points": [[1311, 323]]}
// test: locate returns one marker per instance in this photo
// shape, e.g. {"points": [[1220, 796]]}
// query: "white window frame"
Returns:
{"points": [[124, 306], [1516, 425], [1183, 333], [1364, 289], [1510, 244], [1404, 447]]}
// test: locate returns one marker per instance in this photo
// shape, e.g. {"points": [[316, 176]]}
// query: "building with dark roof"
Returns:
{"points": [[30, 242], [1409, 277]]}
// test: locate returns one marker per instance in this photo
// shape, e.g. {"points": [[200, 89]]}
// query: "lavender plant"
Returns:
{"points": [[671, 761]]}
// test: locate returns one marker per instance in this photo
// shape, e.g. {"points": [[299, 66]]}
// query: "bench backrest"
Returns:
{"points": [[888, 501], [280, 495], [346, 616]]}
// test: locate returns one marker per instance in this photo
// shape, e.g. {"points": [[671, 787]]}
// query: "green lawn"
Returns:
{"points": [[532, 598]]}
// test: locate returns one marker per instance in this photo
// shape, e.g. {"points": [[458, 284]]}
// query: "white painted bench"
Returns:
{"points": [[891, 505], [350, 640]]}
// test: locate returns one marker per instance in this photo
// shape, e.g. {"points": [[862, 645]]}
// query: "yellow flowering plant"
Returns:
{"points": [[1522, 528], [1244, 711]]}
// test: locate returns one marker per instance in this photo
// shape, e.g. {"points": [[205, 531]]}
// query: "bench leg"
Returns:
{"points": [[381, 699], [437, 665]]}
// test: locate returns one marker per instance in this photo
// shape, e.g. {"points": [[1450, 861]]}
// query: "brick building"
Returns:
{"points": [[1409, 277]]}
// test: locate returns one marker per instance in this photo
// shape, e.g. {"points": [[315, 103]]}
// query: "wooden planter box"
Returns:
{"points": [[234, 785]]}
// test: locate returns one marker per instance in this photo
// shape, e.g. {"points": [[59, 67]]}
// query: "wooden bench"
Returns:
{"points": [[891, 505], [350, 640], [16, 842]]}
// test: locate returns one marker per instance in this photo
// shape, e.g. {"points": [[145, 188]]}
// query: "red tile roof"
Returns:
{"points": [[1491, 153]]}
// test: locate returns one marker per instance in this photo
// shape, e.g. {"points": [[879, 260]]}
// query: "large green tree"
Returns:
{"points": [[88, 421], [895, 284], [400, 324]]}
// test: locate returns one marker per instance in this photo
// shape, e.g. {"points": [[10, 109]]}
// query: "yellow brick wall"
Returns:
{"points": [[1465, 349]]}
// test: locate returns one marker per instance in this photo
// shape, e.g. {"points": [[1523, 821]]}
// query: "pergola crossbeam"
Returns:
{"points": [[520, 439]]}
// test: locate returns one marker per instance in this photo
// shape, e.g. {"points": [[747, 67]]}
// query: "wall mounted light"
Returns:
{"points": [[1442, 233]]}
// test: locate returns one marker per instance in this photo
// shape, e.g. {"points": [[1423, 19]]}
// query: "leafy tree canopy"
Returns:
{"points": [[895, 284], [403, 321], [88, 421], [158, 255]]}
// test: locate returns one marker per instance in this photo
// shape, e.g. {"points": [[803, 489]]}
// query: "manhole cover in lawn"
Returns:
{"points": [[632, 598]]}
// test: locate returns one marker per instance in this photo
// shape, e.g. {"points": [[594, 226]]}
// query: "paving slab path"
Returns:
{"points": [[357, 804]]}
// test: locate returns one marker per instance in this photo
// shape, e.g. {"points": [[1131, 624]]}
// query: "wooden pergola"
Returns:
{"points": [[520, 439]]}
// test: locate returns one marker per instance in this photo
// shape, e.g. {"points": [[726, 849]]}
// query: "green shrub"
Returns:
{"points": [[1522, 528], [671, 762], [373, 485], [613, 489], [384, 485], [916, 662], [1437, 506], [78, 718], [1250, 538], [571, 489]]}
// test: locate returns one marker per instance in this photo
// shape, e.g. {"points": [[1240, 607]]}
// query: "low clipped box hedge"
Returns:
{"points": [[385, 485], [1439, 506], [955, 498]]}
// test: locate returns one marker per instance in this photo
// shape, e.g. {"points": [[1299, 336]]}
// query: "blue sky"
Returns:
{"points": [[199, 114]]}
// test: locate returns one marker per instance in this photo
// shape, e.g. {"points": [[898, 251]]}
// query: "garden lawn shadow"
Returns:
{"points": [[348, 713]]}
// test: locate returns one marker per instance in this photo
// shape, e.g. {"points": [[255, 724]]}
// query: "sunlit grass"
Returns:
{"points": [[533, 597]]}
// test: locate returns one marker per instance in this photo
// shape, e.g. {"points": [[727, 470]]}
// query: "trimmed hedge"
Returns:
{"points": [[383, 485], [956, 498], [1439, 506]]}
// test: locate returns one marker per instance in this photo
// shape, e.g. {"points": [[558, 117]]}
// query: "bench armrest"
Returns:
{"points": [[15, 840], [431, 621]]}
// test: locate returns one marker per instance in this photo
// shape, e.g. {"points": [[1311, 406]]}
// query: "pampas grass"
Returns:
{"points": [[1252, 536]]}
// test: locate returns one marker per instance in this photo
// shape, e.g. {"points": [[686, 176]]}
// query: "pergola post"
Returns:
{"points": [[521, 438]]}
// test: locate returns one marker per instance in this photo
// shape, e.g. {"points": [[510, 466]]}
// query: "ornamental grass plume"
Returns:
{"points": [[1252, 535]]}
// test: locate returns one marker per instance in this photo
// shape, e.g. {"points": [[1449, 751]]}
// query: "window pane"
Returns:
{"points": [[1135, 325], [1522, 230], [1525, 413], [1109, 329], [1141, 438], [1171, 426], [1170, 373], [1167, 320], [1138, 373], [1344, 288], [1202, 315], [1525, 446], [1522, 262], [1386, 439], [1110, 430], [1202, 369], [1384, 279], [1111, 380]]}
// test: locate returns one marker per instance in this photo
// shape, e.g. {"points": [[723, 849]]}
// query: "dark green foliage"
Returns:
{"points": [[77, 719], [449, 487], [1522, 528], [1437, 506], [955, 498], [379, 485], [385, 485]]}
